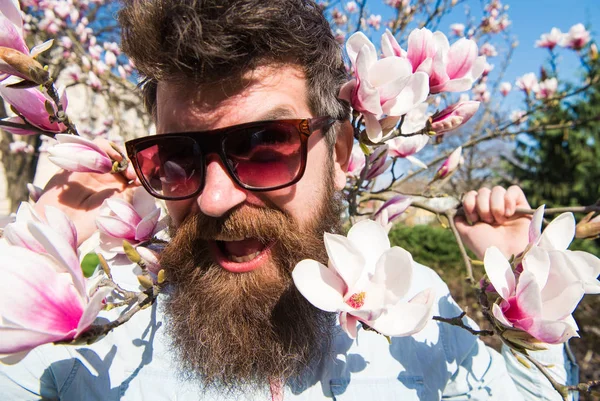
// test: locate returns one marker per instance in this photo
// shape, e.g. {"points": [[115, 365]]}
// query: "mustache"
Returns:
{"points": [[245, 221]]}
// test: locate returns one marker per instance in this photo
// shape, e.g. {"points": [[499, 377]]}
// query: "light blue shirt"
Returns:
{"points": [[440, 362]]}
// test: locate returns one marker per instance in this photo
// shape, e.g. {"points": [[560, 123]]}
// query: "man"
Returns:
{"points": [[247, 201]]}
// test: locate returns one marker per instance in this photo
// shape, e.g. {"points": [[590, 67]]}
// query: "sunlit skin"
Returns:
{"points": [[274, 93]]}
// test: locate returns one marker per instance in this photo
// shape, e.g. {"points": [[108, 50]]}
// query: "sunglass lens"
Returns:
{"points": [[265, 157], [171, 168]]}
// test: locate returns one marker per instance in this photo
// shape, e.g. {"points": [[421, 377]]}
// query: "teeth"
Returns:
{"points": [[245, 258]]}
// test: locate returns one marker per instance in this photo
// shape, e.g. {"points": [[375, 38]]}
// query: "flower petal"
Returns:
{"points": [[346, 259], [499, 272], [61, 250], [371, 239], [145, 229], [529, 299], [63, 226], [319, 285], [535, 226], [348, 323], [94, 306], [537, 262], [393, 275], [406, 318], [19, 339], [124, 211], [115, 227], [559, 233]]}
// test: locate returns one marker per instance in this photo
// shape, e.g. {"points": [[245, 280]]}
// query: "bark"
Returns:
{"points": [[19, 168]]}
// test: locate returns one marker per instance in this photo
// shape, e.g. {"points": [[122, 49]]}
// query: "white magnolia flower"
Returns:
{"points": [[366, 281]]}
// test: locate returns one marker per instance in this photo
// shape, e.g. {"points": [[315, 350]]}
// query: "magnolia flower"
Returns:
{"points": [[19, 233], [11, 36], [407, 146], [390, 46], [387, 86], [378, 162], [453, 116], [576, 38], [458, 29], [374, 21], [539, 301], [551, 246], [487, 49], [550, 40], [391, 210], [134, 222], [505, 88], [356, 162], [74, 153], [450, 68], [366, 281], [43, 296], [416, 119], [528, 83], [30, 104], [547, 88], [450, 164]]}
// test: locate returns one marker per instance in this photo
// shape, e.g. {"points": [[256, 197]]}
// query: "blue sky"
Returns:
{"points": [[530, 19]]}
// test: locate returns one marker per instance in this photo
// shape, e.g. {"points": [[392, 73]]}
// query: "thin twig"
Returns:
{"points": [[457, 321]]}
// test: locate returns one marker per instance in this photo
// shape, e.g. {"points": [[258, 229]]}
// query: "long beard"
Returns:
{"points": [[238, 331]]}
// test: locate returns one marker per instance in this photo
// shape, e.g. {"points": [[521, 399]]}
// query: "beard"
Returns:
{"points": [[238, 331]]}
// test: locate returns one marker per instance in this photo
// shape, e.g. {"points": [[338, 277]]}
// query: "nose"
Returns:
{"points": [[220, 193]]}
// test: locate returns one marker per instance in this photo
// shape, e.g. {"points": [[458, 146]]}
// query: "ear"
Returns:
{"points": [[342, 152]]}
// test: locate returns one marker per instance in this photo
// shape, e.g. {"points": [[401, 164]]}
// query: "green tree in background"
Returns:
{"points": [[561, 166]]}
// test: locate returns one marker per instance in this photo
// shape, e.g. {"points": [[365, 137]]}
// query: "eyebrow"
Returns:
{"points": [[278, 113]]}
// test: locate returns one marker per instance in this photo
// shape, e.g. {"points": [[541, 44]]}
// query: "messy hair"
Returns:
{"points": [[207, 42]]}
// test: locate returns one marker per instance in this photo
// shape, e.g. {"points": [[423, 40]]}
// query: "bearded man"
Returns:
{"points": [[250, 156]]}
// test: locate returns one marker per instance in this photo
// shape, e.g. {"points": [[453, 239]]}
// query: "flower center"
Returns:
{"points": [[357, 300]]}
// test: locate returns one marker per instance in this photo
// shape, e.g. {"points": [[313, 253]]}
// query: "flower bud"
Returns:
{"points": [[588, 228], [454, 116], [131, 253], [519, 340], [14, 62], [162, 276], [145, 281], [450, 165]]}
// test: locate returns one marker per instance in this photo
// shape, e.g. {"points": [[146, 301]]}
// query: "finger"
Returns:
{"points": [[516, 199], [483, 205], [469, 203], [107, 147], [497, 204]]}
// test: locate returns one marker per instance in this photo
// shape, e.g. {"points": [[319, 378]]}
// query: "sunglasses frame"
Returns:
{"points": [[213, 141]]}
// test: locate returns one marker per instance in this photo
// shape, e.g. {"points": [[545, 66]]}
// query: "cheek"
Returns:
{"points": [[179, 210]]}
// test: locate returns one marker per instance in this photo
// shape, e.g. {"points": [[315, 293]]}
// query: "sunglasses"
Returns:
{"points": [[258, 156]]}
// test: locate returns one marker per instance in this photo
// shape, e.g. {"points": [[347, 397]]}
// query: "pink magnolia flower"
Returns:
{"points": [[30, 105], [351, 7], [338, 17], [19, 233], [458, 29], [11, 36], [487, 49], [407, 146], [547, 88], [391, 210], [378, 162], [450, 164], [481, 93], [576, 38], [505, 88], [387, 86], [120, 220], [390, 46], [374, 21], [550, 246], [366, 281], [453, 116], [450, 68], [528, 83], [357, 161], [43, 297], [538, 302], [74, 153], [550, 40]]}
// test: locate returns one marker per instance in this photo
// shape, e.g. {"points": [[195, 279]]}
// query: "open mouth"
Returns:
{"points": [[240, 256]]}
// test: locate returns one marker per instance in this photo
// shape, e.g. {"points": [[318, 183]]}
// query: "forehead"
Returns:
{"points": [[268, 93]]}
